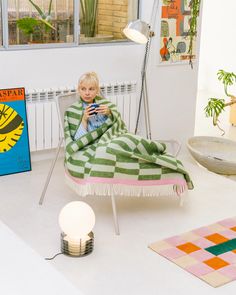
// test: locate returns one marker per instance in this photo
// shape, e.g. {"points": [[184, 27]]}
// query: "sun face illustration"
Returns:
{"points": [[11, 127]]}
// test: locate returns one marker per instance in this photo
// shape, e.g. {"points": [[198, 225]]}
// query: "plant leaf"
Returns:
{"points": [[27, 25], [50, 8], [38, 9], [47, 24]]}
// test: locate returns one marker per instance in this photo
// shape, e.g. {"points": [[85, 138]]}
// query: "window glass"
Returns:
{"points": [[40, 21], [103, 20]]}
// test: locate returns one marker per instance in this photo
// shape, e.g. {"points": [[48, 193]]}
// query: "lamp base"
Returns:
{"points": [[77, 249]]}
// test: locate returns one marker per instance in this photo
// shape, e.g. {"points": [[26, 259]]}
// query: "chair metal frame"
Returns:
{"points": [[61, 107]]}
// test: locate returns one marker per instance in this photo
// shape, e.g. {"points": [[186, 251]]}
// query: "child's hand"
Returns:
{"points": [[103, 109]]}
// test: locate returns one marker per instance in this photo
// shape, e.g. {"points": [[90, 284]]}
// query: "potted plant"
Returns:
{"points": [[216, 106], [37, 28], [89, 17], [88, 22]]}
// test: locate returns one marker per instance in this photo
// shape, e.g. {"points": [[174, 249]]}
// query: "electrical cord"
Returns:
{"points": [[51, 258]]}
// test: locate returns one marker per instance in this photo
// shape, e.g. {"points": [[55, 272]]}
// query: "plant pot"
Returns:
{"points": [[232, 114], [217, 154]]}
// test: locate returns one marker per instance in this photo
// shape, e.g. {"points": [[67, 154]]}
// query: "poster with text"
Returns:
{"points": [[174, 40], [14, 141]]}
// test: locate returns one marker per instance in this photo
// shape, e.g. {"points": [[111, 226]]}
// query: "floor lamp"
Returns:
{"points": [[141, 32]]}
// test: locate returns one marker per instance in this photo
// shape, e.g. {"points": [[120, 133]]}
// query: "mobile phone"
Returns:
{"points": [[95, 106]]}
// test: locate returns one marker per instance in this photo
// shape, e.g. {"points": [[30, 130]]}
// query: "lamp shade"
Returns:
{"points": [[76, 220], [137, 31]]}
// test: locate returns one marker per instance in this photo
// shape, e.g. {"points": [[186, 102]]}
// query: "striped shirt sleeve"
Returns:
{"points": [[80, 132]]}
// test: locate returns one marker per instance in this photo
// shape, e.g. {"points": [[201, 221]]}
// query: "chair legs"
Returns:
{"points": [[182, 198], [50, 173], [175, 145], [116, 224], [115, 218]]}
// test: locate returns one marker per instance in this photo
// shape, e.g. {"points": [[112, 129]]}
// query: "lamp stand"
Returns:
{"points": [[77, 249], [141, 33], [144, 95], [146, 110], [175, 145]]}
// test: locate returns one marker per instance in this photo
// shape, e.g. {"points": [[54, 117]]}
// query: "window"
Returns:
{"points": [[28, 23], [38, 21], [103, 20]]}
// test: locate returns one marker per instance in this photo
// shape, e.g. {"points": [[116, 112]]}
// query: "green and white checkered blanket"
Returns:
{"points": [[111, 155]]}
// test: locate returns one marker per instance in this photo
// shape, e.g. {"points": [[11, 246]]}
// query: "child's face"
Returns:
{"points": [[88, 91]]}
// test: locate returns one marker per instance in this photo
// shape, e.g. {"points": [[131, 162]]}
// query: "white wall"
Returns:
{"points": [[218, 45], [47, 68], [172, 89]]}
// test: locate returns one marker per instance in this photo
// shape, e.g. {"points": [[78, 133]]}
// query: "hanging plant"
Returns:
{"points": [[193, 25]]}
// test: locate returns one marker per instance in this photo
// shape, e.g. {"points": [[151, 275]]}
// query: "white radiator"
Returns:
{"points": [[43, 124]]}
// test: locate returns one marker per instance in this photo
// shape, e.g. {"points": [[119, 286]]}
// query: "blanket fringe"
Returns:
{"points": [[101, 189]]}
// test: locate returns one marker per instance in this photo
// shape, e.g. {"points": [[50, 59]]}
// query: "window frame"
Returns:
{"points": [[2, 23], [7, 47]]}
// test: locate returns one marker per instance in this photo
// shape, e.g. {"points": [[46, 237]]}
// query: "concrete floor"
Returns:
{"points": [[122, 264], [119, 264]]}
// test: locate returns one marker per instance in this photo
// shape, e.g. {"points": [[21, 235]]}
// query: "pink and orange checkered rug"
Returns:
{"points": [[207, 252]]}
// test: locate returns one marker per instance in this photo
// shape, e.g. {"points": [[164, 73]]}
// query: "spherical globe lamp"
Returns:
{"points": [[76, 221]]}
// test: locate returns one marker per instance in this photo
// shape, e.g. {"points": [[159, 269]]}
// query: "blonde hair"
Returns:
{"points": [[90, 77]]}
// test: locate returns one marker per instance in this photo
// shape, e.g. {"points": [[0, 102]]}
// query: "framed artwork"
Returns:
{"points": [[175, 16], [14, 141]]}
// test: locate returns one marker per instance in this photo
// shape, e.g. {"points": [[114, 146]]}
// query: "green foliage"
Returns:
{"points": [[193, 24], [38, 8], [227, 79], [27, 25], [37, 27], [89, 17], [216, 106], [41, 13]]}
